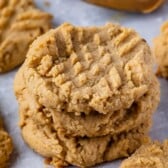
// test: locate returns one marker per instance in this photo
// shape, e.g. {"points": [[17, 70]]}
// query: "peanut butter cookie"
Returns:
{"points": [[6, 146], [144, 6], [20, 24], [61, 149], [81, 70], [82, 151], [86, 94], [153, 155], [161, 51], [94, 124]]}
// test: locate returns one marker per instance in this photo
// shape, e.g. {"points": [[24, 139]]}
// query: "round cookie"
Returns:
{"points": [[81, 151], [20, 24], [83, 70], [151, 155], [161, 51], [94, 124], [144, 6], [6, 146], [86, 94]]}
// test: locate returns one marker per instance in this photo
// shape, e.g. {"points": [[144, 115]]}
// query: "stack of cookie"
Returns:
{"points": [[86, 94]]}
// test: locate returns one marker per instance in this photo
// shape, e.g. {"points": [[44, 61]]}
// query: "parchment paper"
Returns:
{"points": [[80, 13]]}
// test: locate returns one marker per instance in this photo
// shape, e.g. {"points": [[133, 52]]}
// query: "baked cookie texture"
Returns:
{"points": [[83, 125], [37, 130], [86, 94], [161, 51], [152, 155], [20, 23], [6, 146]]}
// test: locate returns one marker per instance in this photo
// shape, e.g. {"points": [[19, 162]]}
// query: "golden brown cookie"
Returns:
{"points": [[6, 146], [161, 51], [153, 155], [20, 24], [87, 69], [94, 124], [144, 6], [86, 94], [40, 132], [83, 151]]}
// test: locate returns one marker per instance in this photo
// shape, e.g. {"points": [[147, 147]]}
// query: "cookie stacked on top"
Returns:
{"points": [[86, 94]]}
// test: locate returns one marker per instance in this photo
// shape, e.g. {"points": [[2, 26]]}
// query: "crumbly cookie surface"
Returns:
{"points": [[82, 151], [94, 124], [20, 24], [86, 94], [61, 149], [81, 70], [6, 146], [161, 51], [153, 155]]}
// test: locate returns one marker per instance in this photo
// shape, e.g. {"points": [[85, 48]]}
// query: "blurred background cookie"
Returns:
{"points": [[144, 6], [20, 24], [161, 51], [6, 146]]}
